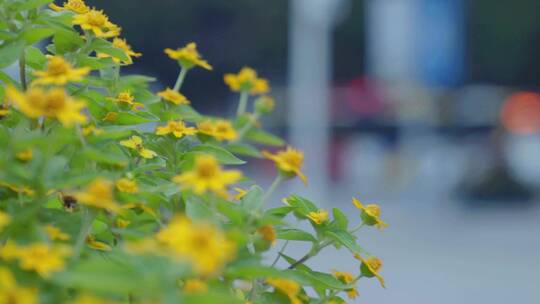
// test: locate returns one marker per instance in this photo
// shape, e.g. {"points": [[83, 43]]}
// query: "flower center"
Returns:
{"points": [[57, 66], [207, 169], [96, 18], [56, 101], [373, 210], [374, 263]]}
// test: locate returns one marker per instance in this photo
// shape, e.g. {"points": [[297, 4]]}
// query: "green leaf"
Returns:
{"points": [[106, 157], [292, 261], [126, 118], [346, 239], [197, 209], [35, 34], [293, 234], [106, 47], [265, 138], [236, 214], [10, 52], [223, 156], [30, 4], [252, 201], [340, 220], [317, 279], [303, 205], [279, 212], [66, 41], [244, 149], [34, 58]]}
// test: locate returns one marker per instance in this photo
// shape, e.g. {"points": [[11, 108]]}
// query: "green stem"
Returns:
{"points": [[86, 225], [356, 228], [22, 70], [279, 253], [180, 79], [246, 127], [242, 104], [272, 188], [80, 135], [313, 252]]}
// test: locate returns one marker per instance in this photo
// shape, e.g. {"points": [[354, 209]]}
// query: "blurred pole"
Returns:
{"points": [[310, 69]]}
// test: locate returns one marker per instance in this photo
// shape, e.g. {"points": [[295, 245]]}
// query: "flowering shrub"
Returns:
{"points": [[110, 193]]}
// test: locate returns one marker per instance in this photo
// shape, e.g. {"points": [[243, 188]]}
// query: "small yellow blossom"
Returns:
{"points": [[346, 278], [370, 267], [202, 244], [56, 234], [24, 155], [208, 176], [268, 233], [371, 214], [97, 245], [122, 223], [76, 6], [318, 217], [54, 103], [11, 293], [135, 143], [4, 111], [173, 97], [188, 56], [124, 46], [91, 129], [247, 81], [59, 72], [240, 193], [110, 116], [264, 104], [97, 22], [289, 161], [42, 258], [176, 128], [220, 129], [127, 185], [124, 97], [98, 194], [287, 287], [5, 219], [194, 286]]}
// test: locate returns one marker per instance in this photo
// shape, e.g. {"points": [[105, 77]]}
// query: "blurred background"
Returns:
{"points": [[426, 107]]}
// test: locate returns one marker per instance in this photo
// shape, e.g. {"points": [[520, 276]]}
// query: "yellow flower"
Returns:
{"points": [[110, 116], [208, 176], [59, 72], [5, 219], [188, 56], [289, 161], [56, 234], [11, 293], [370, 267], [135, 143], [240, 193], [318, 217], [98, 194], [202, 244], [194, 286], [127, 185], [177, 128], [122, 223], [42, 258], [97, 245], [371, 214], [124, 46], [220, 129], [347, 278], [173, 97], [287, 287], [97, 22], [4, 111], [268, 233], [247, 81], [76, 6], [91, 129], [24, 155], [124, 97], [54, 103]]}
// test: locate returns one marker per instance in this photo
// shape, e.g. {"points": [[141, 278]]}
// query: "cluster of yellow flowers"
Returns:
{"points": [[81, 180]]}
